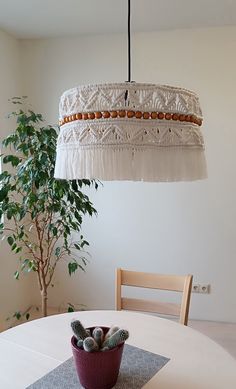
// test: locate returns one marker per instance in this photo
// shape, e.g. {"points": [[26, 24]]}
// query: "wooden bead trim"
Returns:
{"points": [[132, 114]]}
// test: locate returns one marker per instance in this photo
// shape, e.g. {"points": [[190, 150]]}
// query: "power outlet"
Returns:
{"points": [[195, 288], [204, 288], [201, 288]]}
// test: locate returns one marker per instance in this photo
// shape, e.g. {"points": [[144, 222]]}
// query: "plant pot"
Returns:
{"points": [[97, 369]]}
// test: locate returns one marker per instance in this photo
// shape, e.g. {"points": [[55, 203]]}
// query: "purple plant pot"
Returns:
{"points": [[97, 369]]}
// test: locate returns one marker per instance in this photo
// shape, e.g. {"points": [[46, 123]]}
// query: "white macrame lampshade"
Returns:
{"points": [[130, 131]]}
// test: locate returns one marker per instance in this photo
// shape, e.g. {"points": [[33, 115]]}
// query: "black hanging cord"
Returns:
{"points": [[129, 50], [129, 44]]}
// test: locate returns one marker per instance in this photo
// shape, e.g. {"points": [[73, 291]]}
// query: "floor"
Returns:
{"points": [[222, 333]]}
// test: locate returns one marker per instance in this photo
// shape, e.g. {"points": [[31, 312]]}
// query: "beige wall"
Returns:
{"points": [[170, 228], [14, 295]]}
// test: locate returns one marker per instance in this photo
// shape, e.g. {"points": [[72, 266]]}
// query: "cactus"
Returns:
{"points": [[90, 344], [88, 331], [111, 331], [114, 340], [98, 340], [79, 330], [98, 335], [80, 343], [105, 349]]}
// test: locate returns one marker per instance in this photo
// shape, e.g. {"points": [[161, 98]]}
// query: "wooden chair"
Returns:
{"points": [[175, 283]]}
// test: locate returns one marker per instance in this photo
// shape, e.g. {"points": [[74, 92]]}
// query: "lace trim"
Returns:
{"points": [[141, 97], [130, 133]]}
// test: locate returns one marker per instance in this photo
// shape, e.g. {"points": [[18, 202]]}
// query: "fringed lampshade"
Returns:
{"points": [[130, 131]]}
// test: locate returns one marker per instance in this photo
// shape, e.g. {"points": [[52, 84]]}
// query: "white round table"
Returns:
{"points": [[31, 350]]}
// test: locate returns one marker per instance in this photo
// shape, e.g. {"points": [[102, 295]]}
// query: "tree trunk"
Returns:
{"points": [[44, 299]]}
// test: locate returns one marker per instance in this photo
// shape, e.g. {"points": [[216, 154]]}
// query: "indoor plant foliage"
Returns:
{"points": [[40, 213]]}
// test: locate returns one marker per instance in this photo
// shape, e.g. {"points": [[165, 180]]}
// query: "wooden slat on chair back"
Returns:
{"points": [[154, 281], [133, 304]]}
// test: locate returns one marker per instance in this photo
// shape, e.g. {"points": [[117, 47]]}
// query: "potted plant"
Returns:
{"points": [[38, 213], [97, 353]]}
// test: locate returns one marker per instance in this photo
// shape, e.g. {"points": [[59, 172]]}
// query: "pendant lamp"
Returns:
{"points": [[130, 131]]}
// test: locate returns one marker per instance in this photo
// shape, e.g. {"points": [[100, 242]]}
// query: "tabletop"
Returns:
{"points": [[31, 350]]}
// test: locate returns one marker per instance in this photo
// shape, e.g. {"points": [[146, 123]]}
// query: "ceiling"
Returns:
{"points": [[56, 18]]}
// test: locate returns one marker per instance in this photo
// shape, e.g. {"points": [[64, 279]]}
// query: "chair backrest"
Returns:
{"points": [[175, 283]]}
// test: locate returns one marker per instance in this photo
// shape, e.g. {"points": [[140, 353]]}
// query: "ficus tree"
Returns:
{"points": [[41, 217]]}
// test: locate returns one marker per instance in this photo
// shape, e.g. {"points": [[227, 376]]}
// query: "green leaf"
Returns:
{"points": [[10, 240], [9, 213], [57, 251], [37, 184], [14, 246], [72, 267], [74, 185], [84, 260], [63, 211], [18, 250], [25, 264], [21, 234], [12, 159], [28, 265], [67, 229], [84, 243], [17, 315], [16, 275], [3, 193], [4, 175], [10, 139]]}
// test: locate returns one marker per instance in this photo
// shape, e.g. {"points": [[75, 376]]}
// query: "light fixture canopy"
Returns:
{"points": [[130, 131]]}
